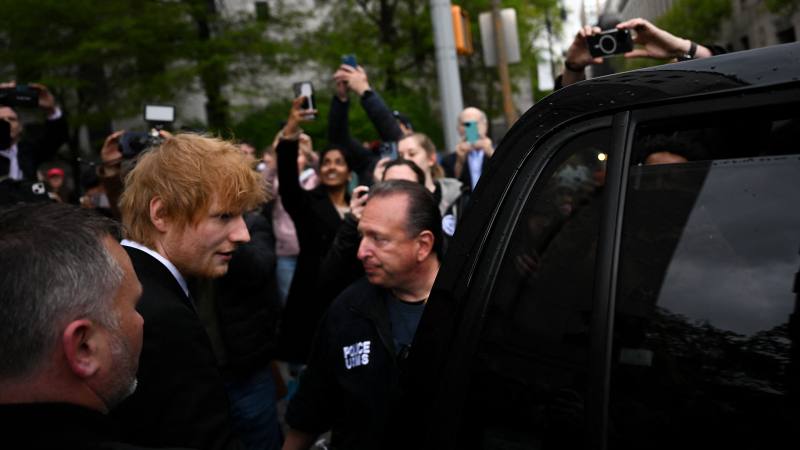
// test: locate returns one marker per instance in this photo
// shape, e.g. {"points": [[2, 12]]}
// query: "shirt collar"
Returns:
{"points": [[14, 171], [171, 267]]}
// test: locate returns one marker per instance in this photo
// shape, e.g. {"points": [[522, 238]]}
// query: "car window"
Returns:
{"points": [[703, 354], [528, 377]]}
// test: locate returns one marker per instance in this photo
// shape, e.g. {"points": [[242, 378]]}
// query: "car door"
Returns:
{"points": [[517, 371], [704, 333], [558, 337]]}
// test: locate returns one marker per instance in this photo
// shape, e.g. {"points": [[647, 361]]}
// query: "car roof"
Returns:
{"points": [[746, 70], [760, 67]]}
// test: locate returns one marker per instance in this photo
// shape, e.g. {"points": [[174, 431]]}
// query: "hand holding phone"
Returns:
{"points": [[358, 200], [306, 90]]}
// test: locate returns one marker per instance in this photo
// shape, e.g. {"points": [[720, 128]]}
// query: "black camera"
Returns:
{"points": [[610, 42], [131, 143], [19, 95]]}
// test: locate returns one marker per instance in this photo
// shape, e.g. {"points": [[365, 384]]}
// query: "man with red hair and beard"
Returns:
{"points": [[182, 208]]}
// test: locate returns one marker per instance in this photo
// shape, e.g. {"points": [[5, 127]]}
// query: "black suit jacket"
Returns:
{"points": [[32, 153], [180, 399], [42, 426]]}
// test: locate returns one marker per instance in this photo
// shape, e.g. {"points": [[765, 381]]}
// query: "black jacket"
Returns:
{"points": [[353, 395], [180, 399], [361, 160], [316, 221], [30, 154], [340, 266], [49, 426], [247, 305]]}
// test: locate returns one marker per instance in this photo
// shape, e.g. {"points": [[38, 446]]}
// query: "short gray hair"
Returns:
{"points": [[54, 269]]}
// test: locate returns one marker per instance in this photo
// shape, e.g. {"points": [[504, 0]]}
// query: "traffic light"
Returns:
{"points": [[462, 31]]}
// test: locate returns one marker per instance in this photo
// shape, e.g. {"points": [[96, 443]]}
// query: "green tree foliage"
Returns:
{"points": [[107, 59], [393, 41], [697, 20]]}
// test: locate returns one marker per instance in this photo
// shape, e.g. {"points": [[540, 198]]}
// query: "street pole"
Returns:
{"points": [[447, 71], [502, 65]]}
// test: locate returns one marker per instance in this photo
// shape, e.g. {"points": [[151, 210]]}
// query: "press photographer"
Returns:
{"points": [[21, 155], [121, 148]]}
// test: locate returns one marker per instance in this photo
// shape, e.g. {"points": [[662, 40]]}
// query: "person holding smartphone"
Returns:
{"points": [[24, 156], [474, 149], [390, 126]]}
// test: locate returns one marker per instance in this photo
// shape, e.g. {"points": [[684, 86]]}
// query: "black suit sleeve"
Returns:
{"points": [[360, 159], [312, 407], [180, 400], [296, 201], [340, 266], [381, 117]]}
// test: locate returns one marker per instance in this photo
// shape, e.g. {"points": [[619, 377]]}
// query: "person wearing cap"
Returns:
{"points": [[55, 183], [391, 125], [25, 155]]}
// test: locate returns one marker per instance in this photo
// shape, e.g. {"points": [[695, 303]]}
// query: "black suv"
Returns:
{"points": [[627, 274]]}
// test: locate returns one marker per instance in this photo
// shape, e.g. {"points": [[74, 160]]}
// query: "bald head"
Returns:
{"points": [[472, 114]]}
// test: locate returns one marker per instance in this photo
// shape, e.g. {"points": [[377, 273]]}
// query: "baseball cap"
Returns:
{"points": [[55, 171]]}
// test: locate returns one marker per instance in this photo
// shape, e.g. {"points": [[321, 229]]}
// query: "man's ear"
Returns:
{"points": [[82, 342], [425, 242], [157, 216]]}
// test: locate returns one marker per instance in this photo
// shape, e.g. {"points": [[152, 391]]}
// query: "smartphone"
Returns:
{"points": [[19, 95], [159, 113], [388, 150], [471, 131], [350, 60], [610, 42], [305, 89]]}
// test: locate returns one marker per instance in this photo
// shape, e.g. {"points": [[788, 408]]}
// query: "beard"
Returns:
{"points": [[122, 382]]}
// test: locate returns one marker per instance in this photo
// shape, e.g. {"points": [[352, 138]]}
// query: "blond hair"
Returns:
{"points": [[430, 149], [187, 172]]}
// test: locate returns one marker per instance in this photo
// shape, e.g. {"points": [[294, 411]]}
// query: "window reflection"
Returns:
{"points": [[703, 352], [528, 382]]}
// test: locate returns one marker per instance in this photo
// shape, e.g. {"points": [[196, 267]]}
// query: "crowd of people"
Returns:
{"points": [[202, 281]]}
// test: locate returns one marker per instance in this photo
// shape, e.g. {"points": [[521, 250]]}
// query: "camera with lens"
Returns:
{"points": [[610, 42], [132, 143], [19, 95]]}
